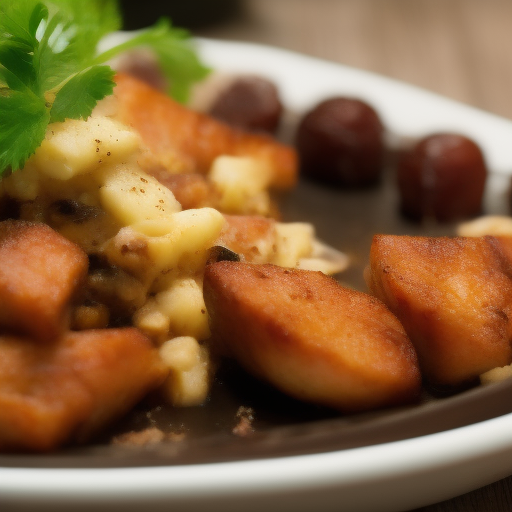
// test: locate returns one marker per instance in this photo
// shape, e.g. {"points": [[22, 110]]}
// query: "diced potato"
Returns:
{"points": [[183, 303], [77, 146], [184, 240], [263, 240], [181, 353], [128, 250], [132, 196], [22, 184], [496, 375], [152, 321], [324, 258], [179, 310], [294, 241], [242, 183], [188, 381]]}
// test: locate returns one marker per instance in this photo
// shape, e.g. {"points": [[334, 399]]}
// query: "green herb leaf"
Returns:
{"points": [[50, 70], [79, 95], [23, 121], [177, 57], [96, 18]]}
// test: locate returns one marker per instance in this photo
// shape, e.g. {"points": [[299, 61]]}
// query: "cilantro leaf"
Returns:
{"points": [[50, 70], [96, 18], [19, 21], [79, 95], [176, 56], [177, 59], [23, 121], [18, 40]]}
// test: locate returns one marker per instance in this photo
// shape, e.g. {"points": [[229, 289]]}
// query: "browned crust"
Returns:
{"points": [[311, 337], [172, 130]]}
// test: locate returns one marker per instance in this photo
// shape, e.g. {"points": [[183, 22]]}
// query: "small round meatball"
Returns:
{"points": [[442, 177], [340, 142], [251, 103]]}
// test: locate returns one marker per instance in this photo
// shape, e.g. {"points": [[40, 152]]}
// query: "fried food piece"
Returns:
{"points": [[176, 133], [52, 394], [39, 274], [250, 236], [190, 190], [310, 337], [504, 244], [454, 298]]}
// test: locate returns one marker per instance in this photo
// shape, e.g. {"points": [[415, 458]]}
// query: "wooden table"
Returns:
{"points": [[458, 48]]}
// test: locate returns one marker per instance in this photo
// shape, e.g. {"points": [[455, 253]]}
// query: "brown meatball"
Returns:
{"points": [[443, 177], [340, 142], [250, 103]]}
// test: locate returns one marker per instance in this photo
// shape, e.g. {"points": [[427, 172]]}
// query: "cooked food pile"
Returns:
{"points": [[119, 255], [141, 245]]}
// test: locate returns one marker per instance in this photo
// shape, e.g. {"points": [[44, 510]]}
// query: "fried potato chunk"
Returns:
{"points": [[39, 273], [190, 190], [52, 394], [310, 337], [250, 236], [454, 298], [175, 133], [504, 244]]}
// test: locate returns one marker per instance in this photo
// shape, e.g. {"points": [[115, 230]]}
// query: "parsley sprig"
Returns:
{"points": [[50, 69]]}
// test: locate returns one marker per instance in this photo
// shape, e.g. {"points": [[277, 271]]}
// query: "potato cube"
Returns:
{"points": [[75, 146], [183, 240], [188, 381], [132, 196], [242, 183], [183, 303], [251, 236], [294, 241]]}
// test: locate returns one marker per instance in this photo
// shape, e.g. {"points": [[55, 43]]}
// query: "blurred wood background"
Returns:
{"points": [[458, 48]]}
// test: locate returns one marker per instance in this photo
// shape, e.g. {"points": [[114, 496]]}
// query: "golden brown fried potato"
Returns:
{"points": [[176, 133], [454, 298], [310, 337], [504, 244], [39, 274], [190, 190], [52, 394], [250, 236]]}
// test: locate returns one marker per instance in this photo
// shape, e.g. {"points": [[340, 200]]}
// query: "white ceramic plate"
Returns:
{"points": [[391, 476]]}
